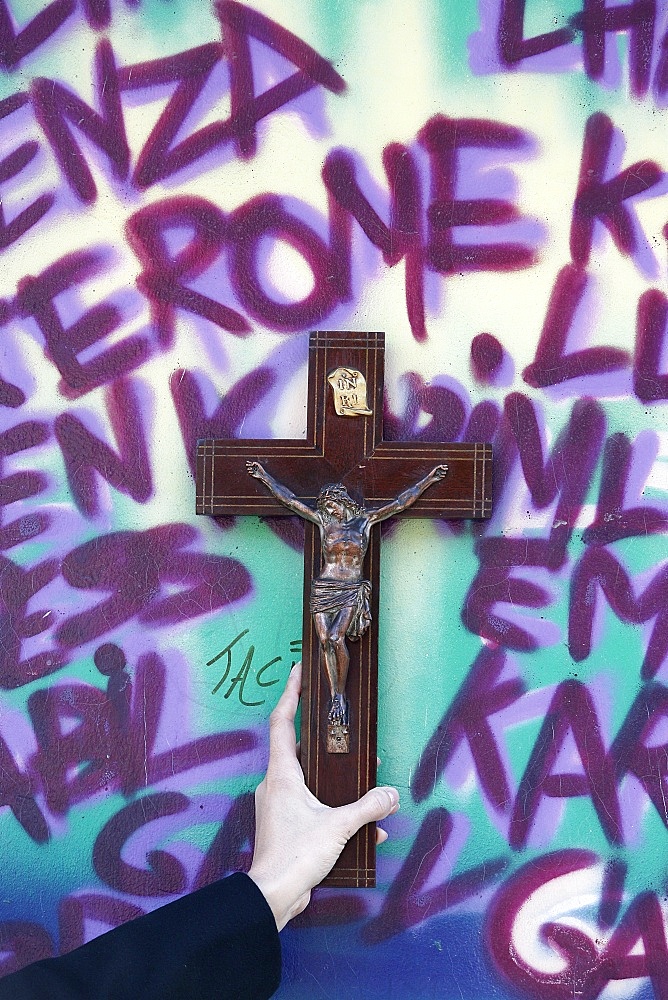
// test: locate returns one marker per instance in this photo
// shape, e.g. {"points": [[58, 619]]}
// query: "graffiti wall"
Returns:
{"points": [[186, 190]]}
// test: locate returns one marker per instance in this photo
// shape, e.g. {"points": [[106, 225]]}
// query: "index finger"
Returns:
{"points": [[282, 719]]}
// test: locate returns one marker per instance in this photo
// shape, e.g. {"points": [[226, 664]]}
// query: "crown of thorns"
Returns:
{"points": [[339, 494]]}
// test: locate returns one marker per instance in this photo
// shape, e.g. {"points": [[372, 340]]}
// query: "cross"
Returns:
{"points": [[344, 444]]}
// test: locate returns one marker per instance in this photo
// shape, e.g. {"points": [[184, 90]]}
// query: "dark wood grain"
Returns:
{"points": [[350, 450]]}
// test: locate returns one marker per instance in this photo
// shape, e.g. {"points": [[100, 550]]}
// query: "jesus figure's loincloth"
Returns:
{"points": [[331, 596]]}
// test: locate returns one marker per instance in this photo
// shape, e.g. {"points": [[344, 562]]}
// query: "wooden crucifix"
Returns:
{"points": [[343, 479]]}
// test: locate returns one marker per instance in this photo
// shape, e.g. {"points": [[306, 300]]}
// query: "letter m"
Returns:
{"points": [[567, 471]]}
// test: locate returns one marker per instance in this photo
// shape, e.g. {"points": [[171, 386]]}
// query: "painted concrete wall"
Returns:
{"points": [[186, 190]]}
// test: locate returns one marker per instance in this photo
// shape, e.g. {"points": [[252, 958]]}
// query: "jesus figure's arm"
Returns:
{"points": [[408, 497], [282, 493]]}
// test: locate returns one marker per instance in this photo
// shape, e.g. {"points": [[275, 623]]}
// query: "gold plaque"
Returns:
{"points": [[349, 387], [338, 738]]}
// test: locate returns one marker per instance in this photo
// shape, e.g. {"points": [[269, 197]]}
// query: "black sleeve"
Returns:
{"points": [[219, 942]]}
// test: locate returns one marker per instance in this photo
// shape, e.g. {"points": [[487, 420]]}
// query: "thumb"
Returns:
{"points": [[375, 805]]}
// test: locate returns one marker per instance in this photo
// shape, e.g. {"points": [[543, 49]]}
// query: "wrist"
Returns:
{"points": [[273, 895]]}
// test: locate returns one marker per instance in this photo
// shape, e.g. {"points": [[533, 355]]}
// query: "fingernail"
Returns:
{"points": [[394, 798]]}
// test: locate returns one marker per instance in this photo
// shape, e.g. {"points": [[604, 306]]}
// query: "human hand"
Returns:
{"points": [[255, 469], [297, 838], [440, 472]]}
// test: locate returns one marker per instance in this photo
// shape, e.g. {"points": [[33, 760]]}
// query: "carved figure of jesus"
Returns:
{"points": [[340, 598]]}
